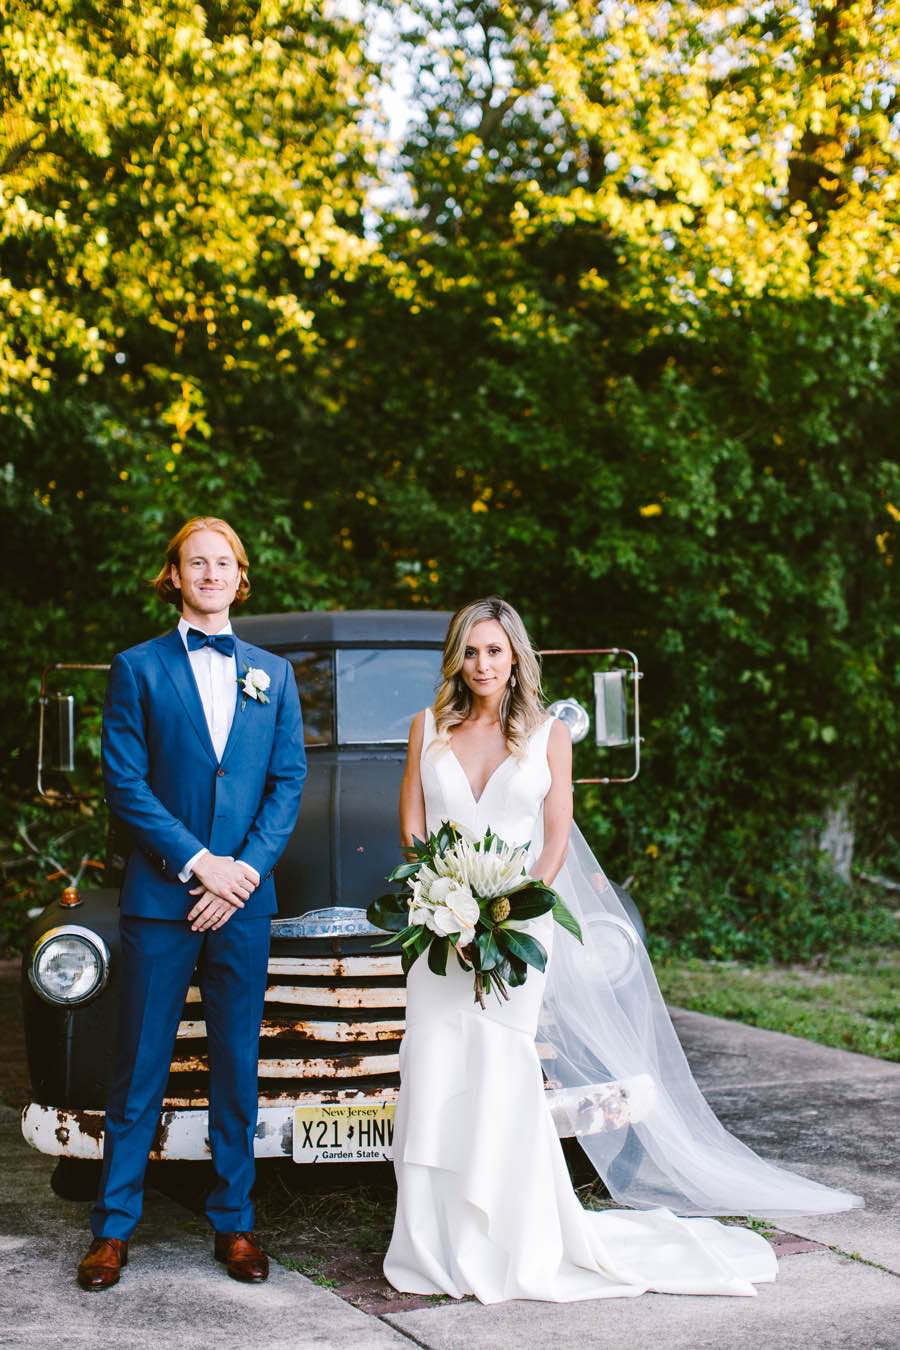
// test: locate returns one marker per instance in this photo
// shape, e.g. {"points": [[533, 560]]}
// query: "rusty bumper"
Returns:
{"points": [[184, 1133], [181, 1134]]}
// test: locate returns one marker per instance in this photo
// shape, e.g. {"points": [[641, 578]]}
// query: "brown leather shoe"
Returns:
{"points": [[105, 1260], [244, 1259]]}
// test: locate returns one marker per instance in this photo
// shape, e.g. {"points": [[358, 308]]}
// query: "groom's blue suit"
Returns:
{"points": [[165, 782]]}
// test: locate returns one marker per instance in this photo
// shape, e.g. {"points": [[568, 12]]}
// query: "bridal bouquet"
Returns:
{"points": [[469, 894]]}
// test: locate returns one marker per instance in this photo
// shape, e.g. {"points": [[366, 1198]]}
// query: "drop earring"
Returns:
{"points": [[512, 680]]}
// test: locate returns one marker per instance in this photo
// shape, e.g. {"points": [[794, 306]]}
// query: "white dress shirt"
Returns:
{"points": [[216, 679]]}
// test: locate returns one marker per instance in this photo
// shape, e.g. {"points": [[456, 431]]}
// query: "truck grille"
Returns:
{"points": [[331, 1032]]}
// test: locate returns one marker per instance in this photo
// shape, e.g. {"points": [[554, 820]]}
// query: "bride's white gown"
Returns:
{"points": [[485, 1205]]}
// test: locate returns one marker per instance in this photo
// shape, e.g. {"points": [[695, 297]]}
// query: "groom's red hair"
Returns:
{"points": [[162, 582]]}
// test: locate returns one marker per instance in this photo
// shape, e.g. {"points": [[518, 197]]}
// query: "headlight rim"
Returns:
{"points": [[624, 928], [88, 936]]}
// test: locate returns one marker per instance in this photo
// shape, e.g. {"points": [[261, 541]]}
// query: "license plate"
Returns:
{"points": [[343, 1133]]}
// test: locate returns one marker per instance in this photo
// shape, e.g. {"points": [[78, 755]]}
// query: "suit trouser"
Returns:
{"points": [[158, 959]]}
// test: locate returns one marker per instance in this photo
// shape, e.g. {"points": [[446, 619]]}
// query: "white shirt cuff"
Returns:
{"points": [[187, 871]]}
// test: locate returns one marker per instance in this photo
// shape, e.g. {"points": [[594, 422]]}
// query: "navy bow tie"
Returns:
{"points": [[220, 642]]}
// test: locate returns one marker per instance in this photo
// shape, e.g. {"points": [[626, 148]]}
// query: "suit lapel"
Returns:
{"points": [[178, 668], [244, 656]]}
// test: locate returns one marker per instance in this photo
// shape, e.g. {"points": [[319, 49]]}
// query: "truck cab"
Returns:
{"points": [[334, 1010]]}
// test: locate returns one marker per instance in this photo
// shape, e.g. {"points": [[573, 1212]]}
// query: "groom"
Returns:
{"points": [[203, 761]]}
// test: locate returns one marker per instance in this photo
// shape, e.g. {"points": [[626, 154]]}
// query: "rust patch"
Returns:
{"points": [[88, 1123], [91, 1124], [338, 1066], [189, 1064], [353, 1032]]}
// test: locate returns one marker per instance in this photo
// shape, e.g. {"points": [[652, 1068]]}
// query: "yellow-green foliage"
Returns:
{"points": [[617, 336]]}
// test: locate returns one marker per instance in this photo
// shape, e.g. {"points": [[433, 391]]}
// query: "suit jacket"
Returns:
{"points": [[164, 782]]}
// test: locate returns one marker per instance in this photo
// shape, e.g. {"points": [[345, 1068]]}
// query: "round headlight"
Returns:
{"points": [[573, 715], [69, 965], [615, 947]]}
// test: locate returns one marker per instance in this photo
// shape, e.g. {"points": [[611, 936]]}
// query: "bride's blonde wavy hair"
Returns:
{"points": [[522, 707]]}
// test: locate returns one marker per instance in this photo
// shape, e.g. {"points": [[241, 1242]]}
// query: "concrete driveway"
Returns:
{"points": [[831, 1114]]}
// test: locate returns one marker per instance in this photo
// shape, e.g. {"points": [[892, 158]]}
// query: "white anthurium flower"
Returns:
{"points": [[420, 884], [441, 889], [458, 913]]}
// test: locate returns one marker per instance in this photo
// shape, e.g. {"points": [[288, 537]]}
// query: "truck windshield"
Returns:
{"points": [[379, 690], [315, 684]]}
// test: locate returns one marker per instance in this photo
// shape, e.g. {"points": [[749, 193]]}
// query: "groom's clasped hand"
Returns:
{"points": [[225, 885]]}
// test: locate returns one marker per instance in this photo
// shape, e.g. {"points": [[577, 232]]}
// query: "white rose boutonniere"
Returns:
{"points": [[253, 684]]}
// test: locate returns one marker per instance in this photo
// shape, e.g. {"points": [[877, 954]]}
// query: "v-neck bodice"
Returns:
{"points": [[512, 797], [487, 781]]}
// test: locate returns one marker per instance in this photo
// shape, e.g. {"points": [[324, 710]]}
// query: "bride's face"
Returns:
{"points": [[488, 660]]}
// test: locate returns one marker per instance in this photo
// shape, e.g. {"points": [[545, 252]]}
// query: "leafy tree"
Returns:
{"points": [[637, 370], [624, 348], [179, 185]]}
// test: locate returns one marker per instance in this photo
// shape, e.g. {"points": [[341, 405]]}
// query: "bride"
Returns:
{"points": [[485, 1205]]}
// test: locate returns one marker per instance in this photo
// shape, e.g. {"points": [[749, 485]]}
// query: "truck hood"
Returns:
{"points": [[347, 837]]}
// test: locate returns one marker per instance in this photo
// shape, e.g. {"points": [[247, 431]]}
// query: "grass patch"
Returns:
{"points": [[319, 1224], [849, 1001]]}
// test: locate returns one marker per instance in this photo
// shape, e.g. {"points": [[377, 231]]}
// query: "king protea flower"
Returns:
{"points": [[495, 870]]}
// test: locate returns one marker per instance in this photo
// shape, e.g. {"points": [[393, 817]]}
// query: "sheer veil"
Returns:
{"points": [[649, 1132]]}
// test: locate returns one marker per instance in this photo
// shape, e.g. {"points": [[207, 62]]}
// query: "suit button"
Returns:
{"points": [[220, 773]]}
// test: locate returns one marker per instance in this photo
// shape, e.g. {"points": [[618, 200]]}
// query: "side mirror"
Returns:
{"points": [[64, 744], [610, 709], [56, 728], [56, 736]]}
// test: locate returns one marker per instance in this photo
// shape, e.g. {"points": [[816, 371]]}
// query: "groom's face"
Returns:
{"points": [[208, 574]]}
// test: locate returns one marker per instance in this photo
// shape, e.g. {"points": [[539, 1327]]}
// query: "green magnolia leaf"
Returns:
{"points": [[489, 953], [566, 919], [518, 971], [402, 937], [390, 912], [414, 948], [527, 948], [437, 955], [530, 903], [404, 870], [388, 941]]}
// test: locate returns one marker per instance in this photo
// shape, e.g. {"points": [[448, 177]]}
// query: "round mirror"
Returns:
{"points": [[575, 717]]}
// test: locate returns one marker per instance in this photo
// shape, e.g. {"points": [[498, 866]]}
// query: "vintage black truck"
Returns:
{"points": [[328, 1068]]}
